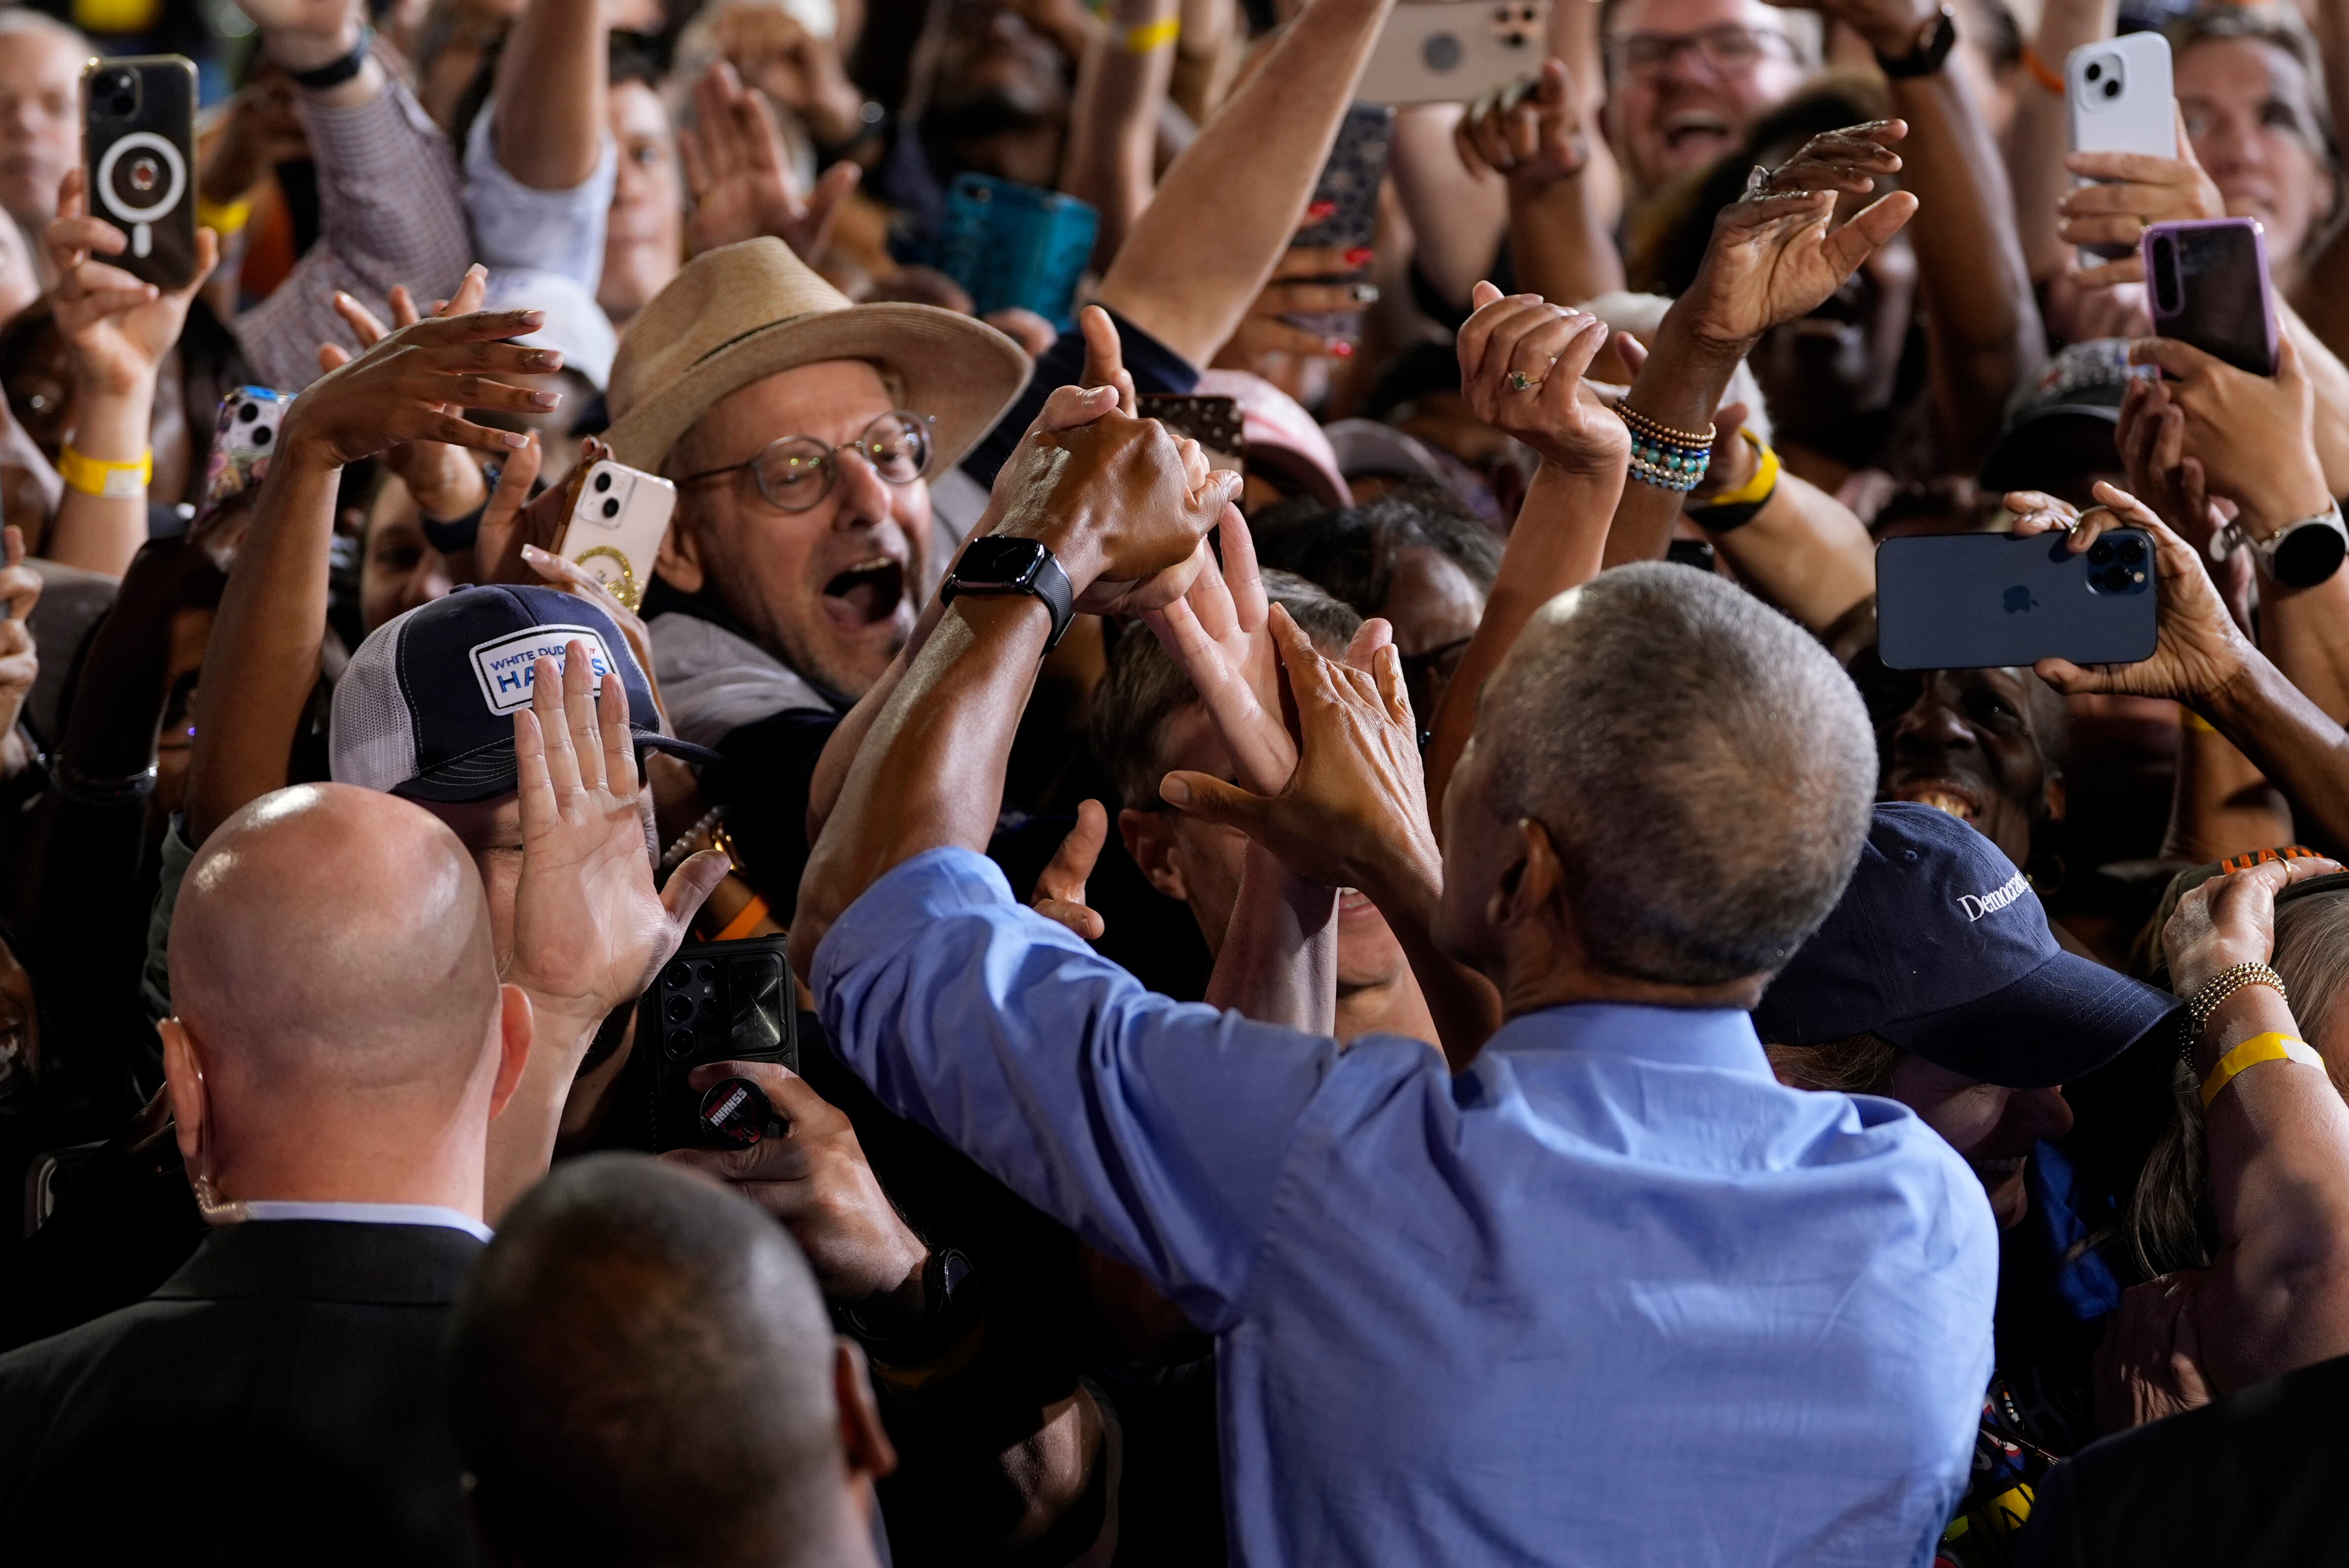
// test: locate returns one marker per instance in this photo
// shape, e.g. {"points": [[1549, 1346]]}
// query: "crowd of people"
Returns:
{"points": [[1364, 962]]}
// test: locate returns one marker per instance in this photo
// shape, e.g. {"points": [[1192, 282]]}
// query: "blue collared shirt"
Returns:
{"points": [[1612, 1297]]}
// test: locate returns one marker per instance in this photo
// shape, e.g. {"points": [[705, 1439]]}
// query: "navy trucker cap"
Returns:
{"points": [[1940, 946], [426, 708]]}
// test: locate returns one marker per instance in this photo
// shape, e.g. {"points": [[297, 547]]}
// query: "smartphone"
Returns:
{"points": [[2117, 99], [244, 435], [1965, 601], [1452, 50], [139, 137], [2207, 285], [1349, 185], [1218, 424], [714, 1002], [1010, 245], [616, 528]]}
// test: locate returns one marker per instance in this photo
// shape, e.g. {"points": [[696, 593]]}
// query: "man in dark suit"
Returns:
{"points": [[341, 1044]]}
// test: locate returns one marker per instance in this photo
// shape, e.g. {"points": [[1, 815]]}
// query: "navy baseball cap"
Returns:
{"points": [[426, 708], [1940, 946]]}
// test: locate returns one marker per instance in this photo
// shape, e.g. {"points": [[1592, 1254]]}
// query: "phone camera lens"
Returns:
{"points": [[2130, 551], [611, 509], [679, 1043], [2116, 580], [2100, 552], [680, 1009], [2095, 71], [249, 412], [2112, 89], [261, 437], [677, 977], [602, 482]]}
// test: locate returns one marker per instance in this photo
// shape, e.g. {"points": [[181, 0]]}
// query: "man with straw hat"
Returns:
{"points": [[800, 431]]}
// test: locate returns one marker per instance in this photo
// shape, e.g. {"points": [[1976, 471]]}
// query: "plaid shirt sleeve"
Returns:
{"points": [[391, 211]]}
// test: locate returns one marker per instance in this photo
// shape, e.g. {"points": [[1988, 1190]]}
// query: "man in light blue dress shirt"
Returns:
{"points": [[1611, 1296]]}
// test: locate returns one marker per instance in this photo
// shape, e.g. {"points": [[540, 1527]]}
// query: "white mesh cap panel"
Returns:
{"points": [[371, 737]]}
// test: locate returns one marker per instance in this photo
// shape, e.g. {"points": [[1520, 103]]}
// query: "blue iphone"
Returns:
{"points": [[1966, 601], [1012, 245]]}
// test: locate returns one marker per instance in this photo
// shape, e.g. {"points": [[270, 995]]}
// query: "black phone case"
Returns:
{"points": [[1351, 179], [1216, 423], [1967, 601], [138, 168], [2207, 285], [714, 1002]]}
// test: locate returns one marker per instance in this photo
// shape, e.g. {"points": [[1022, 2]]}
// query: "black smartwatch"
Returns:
{"points": [[950, 1310], [1929, 53], [998, 564]]}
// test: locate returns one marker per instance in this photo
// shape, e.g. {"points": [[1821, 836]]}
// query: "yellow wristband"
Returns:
{"points": [[107, 480], [1759, 485], [2195, 722], [2268, 1048], [1149, 36], [223, 218]]}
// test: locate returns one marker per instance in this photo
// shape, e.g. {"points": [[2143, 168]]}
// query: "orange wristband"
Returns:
{"points": [[744, 923], [2041, 72]]}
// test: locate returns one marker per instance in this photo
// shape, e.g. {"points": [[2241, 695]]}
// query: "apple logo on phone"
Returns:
{"points": [[2019, 599]]}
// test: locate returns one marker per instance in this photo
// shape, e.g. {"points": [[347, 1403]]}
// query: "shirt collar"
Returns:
{"points": [[359, 1214], [1720, 1037]]}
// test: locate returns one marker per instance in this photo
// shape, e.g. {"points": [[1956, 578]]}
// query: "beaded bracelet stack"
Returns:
{"points": [[1661, 456]]}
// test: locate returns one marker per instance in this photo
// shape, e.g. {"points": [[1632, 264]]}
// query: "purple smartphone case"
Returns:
{"points": [[2207, 285]]}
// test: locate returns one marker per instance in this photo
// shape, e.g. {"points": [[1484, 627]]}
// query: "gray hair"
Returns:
{"points": [[1702, 764], [16, 19]]}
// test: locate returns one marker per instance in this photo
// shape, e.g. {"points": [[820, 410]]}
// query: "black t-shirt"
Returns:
{"points": [[2251, 1481]]}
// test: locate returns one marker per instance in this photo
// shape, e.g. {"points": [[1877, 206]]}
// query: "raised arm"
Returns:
{"points": [[1201, 250], [1534, 136], [2276, 1297], [262, 659], [552, 84], [1113, 124], [2041, 131]]}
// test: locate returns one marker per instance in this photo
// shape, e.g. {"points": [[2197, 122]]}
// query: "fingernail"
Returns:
{"points": [[1341, 349], [511, 441], [545, 399], [546, 359], [1368, 294], [1174, 791], [532, 552], [1320, 209], [1360, 256]]}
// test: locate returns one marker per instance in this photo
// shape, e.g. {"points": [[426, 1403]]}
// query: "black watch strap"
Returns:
{"points": [[1040, 576], [1927, 56], [950, 1310], [334, 73]]}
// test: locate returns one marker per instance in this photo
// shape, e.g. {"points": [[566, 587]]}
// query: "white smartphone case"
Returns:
{"points": [[2117, 96], [616, 528], [1448, 51]]}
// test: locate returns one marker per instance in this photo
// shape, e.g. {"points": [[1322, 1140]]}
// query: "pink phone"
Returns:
{"points": [[2208, 285]]}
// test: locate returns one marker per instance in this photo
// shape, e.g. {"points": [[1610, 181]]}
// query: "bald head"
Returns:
{"points": [[642, 1372], [1703, 766], [335, 939]]}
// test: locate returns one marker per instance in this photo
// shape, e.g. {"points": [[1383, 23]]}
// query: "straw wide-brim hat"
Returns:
{"points": [[742, 313]]}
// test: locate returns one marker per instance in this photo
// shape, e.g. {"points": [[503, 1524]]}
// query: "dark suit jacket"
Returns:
{"points": [[2252, 1480], [280, 1399]]}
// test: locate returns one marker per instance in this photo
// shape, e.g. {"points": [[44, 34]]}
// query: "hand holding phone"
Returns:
{"points": [[139, 137], [2117, 99], [1973, 600], [2207, 284], [616, 528]]}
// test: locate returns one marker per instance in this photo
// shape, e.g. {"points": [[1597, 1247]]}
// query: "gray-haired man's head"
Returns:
{"points": [[1688, 769]]}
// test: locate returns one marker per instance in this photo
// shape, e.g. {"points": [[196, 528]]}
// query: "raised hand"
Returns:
{"points": [[576, 580], [1060, 886], [590, 928], [1850, 159], [2198, 651], [118, 327], [738, 173], [1220, 633], [20, 662], [776, 54], [1529, 131], [1774, 257], [447, 484], [2151, 1363], [2132, 191], [402, 389], [816, 1181], [2230, 920], [2252, 435], [1300, 285], [1521, 361], [1353, 811]]}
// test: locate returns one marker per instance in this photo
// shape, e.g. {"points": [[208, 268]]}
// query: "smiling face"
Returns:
{"points": [[2248, 109], [40, 130], [828, 591], [1995, 1128], [1688, 77], [1974, 744]]}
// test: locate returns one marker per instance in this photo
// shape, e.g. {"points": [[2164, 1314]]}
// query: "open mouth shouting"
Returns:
{"points": [[1946, 795], [865, 594]]}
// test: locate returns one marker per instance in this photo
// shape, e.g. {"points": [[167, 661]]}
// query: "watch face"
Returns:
{"points": [[2309, 554], [994, 560]]}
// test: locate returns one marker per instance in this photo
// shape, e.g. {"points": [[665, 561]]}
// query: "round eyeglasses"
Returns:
{"points": [[796, 472]]}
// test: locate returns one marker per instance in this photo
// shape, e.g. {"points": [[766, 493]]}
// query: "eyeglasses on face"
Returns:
{"points": [[1727, 49], [796, 472]]}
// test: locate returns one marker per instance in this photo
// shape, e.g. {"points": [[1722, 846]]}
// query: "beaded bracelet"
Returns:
{"points": [[1663, 434]]}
